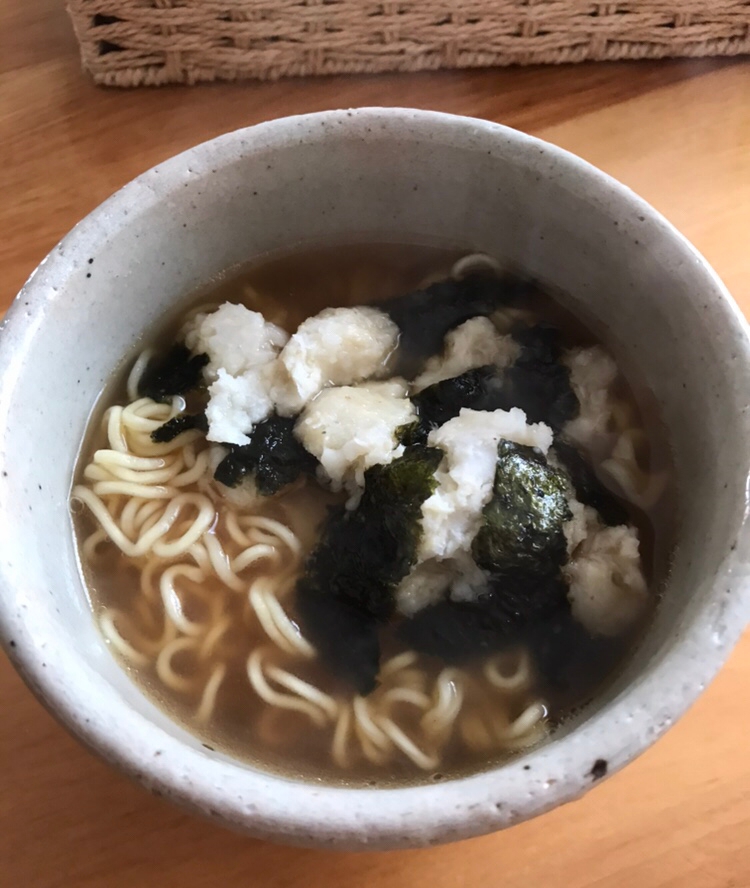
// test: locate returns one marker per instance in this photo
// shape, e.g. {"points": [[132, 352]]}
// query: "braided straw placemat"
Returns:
{"points": [[151, 42]]}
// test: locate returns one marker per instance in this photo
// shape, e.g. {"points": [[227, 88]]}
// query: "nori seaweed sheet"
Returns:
{"points": [[363, 554], [444, 400], [175, 373], [274, 457], [588, 488], [537, 382], [345, 637], [522, 530], [425, 316], [179, 424], [566, 657], [501, 618], [521, 547]]}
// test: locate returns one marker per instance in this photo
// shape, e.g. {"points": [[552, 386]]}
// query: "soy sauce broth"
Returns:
{"points": [[286, 289]]}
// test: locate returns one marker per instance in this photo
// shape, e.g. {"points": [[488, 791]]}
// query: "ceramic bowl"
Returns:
{"points": [[397, 175]]}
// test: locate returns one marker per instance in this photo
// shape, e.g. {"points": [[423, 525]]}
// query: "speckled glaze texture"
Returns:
{"points": [[395, 175]]}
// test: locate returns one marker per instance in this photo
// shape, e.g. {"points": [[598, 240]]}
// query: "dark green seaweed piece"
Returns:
{"points": [[539, 343], [425, 316], [175, 373], [543, 393], [537, 382], [274, 457], [589, 489], [179, 424], [411, 433], [344, 635], [454, 632], [364, 553], [234, 467], [444, 400], [521, 546], [522, 530], [519, 601], [567, 658], [502, 617]]}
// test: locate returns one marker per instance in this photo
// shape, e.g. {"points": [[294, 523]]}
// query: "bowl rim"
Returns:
{"points": [[271, 806]]}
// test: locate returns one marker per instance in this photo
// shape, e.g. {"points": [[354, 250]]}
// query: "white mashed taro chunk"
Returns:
{"points": [[235, 404], [235, 339], [592, 374], [607, 589], [338, 347], [470, 582], [426, 584], [351, 428], [241, 346], [577, 528], [452, 515], [475, 343], [459, 578]]}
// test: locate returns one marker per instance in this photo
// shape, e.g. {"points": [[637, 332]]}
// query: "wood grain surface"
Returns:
{"points": [[679, 134]]}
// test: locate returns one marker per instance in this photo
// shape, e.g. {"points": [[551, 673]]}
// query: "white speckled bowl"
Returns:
{"points": [[395, 175]]}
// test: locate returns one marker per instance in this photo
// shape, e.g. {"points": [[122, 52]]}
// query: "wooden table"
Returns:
{"points": [[678, 133]]}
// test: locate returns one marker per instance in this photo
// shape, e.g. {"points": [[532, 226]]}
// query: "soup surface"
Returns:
{"points": [[284, 598]]}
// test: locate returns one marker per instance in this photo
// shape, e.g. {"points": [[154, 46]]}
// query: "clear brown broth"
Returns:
{"points": [[287, 289]]}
